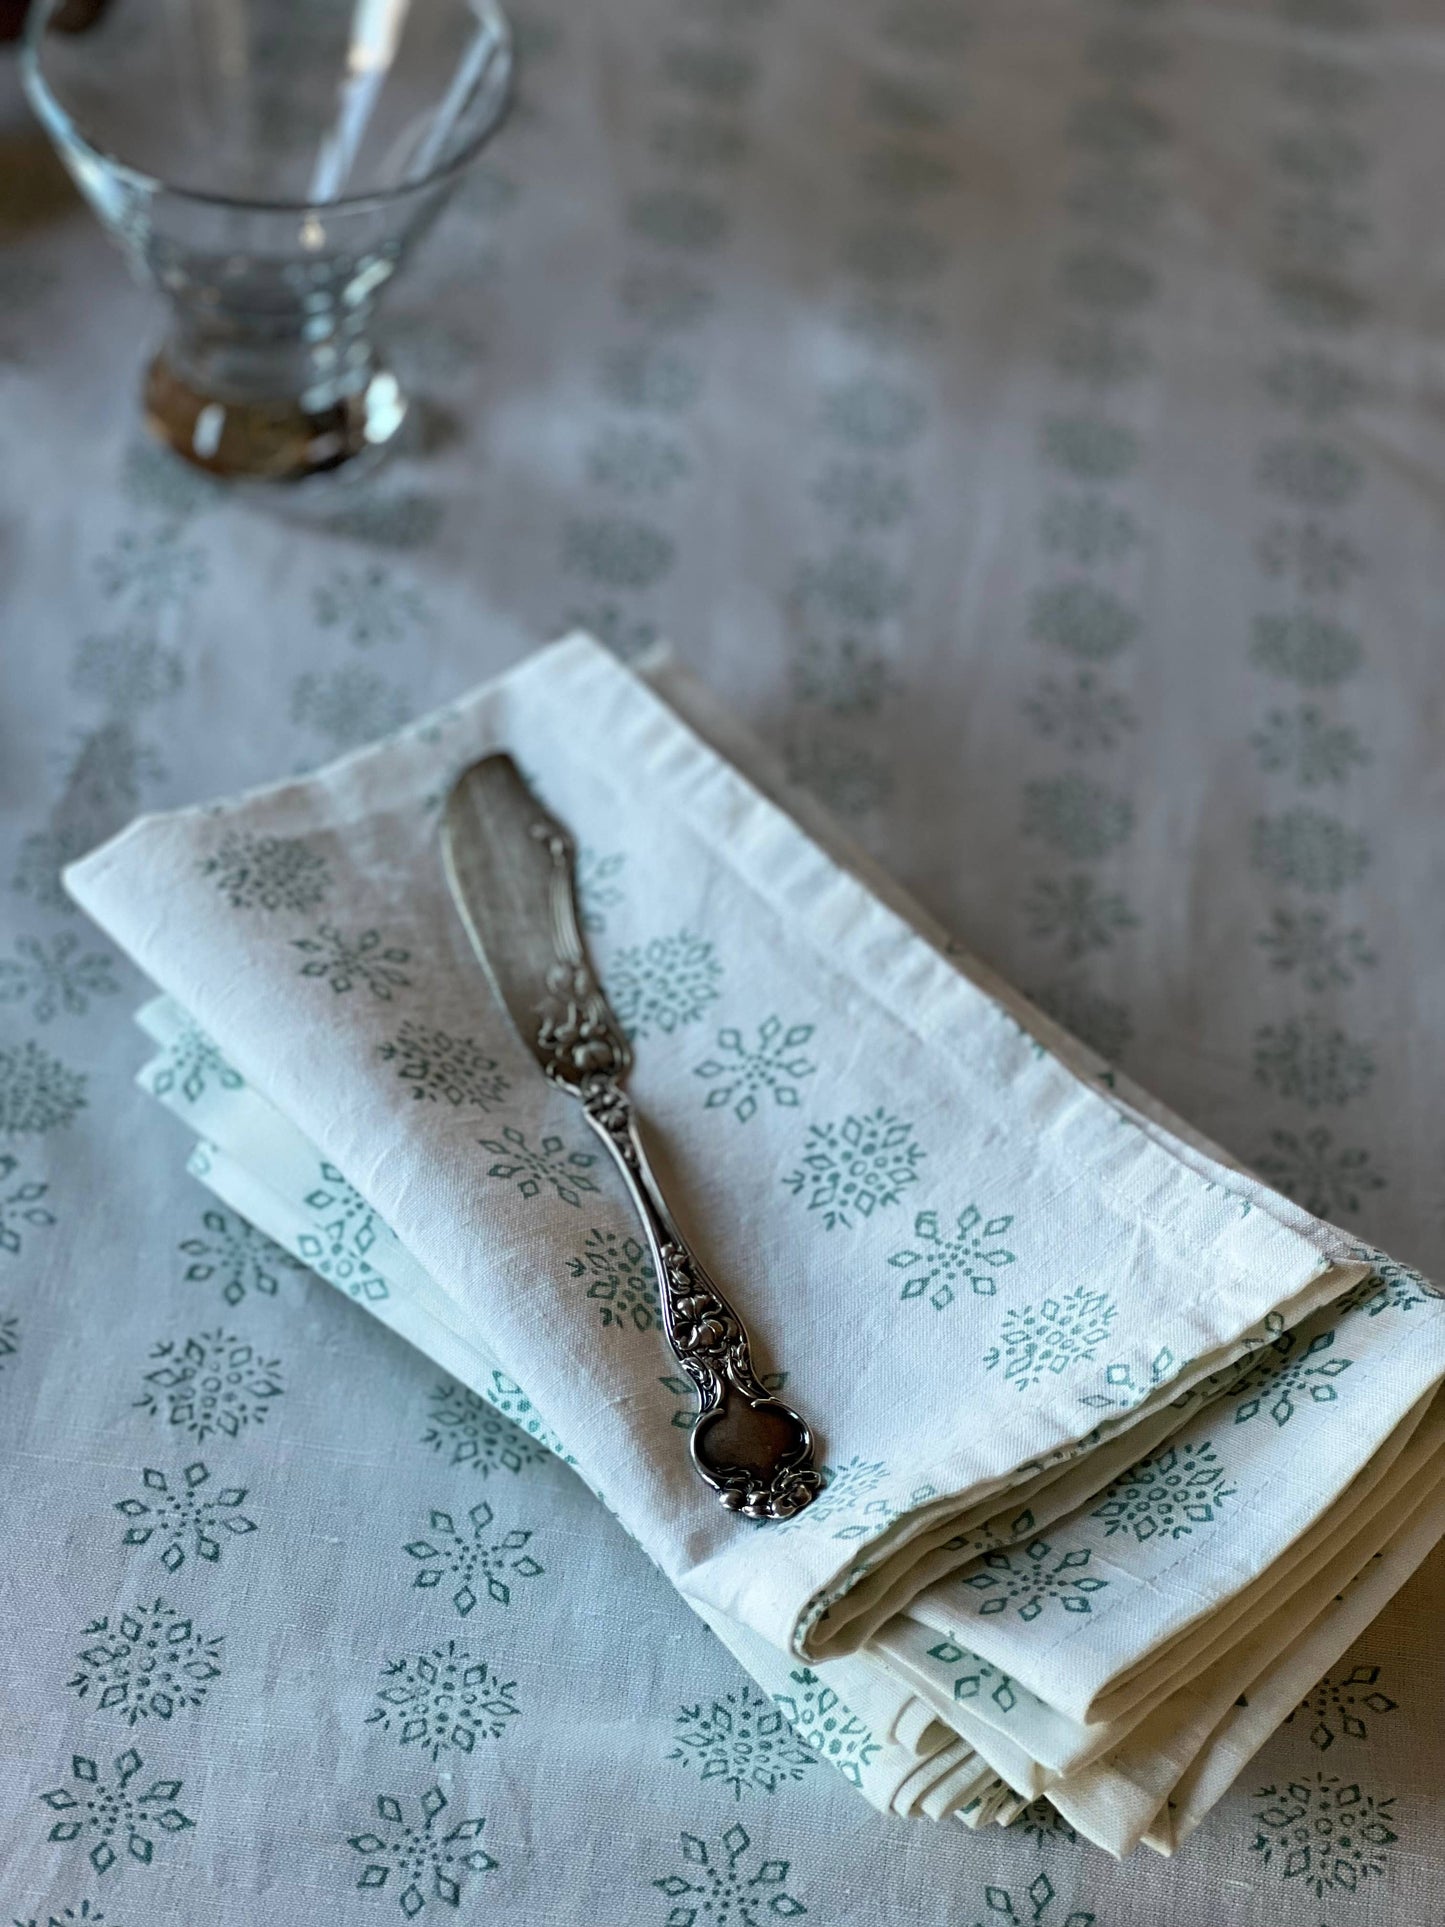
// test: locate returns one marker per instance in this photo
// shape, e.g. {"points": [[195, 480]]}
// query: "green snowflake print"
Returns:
{"points": [[443, 1701], [1088, 528], [1098, 355], [1089, 450], [37, 1092], [1319, 234], [1325, 1178], [1096, 1020], [1043, 1341], [977, 1680], [440, 1067], [1327, 1834], [851, 586], [636, 462], [1307, 649], [1077, 816], [721, 76], [1083, 620], [656, 380], [126, 672], [192, 1064], [860, 1165], [1046, 1827], [151, 572], [106, 776], [509, 1398], [470, 1558], [850, 779], [349, 707], [184, 1518], [1320, 561], [52, 978], [617, 553], [1032, 1906], [1081, 715], [1321, 952], [239, 1256], [1028, 1578], [39, 861], [466, 1430], [1337, 1707], [343, 1233], [1167, 1494], [742, 1740], [1125, 1384], [665, 296], [1097, 277], [597, 891], [845, 1496], [845, 678], [870, 412], [1313, 852], [1076, 914], [685, 1417], [146, 1663], [698, 144], [343, 963], [827, 1727], [267, 872], [9, 1337], [85, 1913], [1312, 751], [422, 1862], [616, 628], [1281, 1377], [715, 1889], [548, 1165], [969, 1253], [404, 520], [663, 984], [1321, 157], [114, 1812], [1312, 474], [678, 217], [215, 1383], [619, 1279], [1317, 385], [1312, 1062], [20, 1206], [369, 605], [742, 1072], [862, 496], [1391, 1287], [1317, 300]]}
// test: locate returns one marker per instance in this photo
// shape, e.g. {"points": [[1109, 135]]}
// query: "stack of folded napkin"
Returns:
{"points": [[1122, 1449]]}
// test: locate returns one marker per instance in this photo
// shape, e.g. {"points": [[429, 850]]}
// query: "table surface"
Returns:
{"points": [[1030, 418]]}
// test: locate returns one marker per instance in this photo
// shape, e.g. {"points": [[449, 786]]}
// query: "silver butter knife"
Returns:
{"points": [[509, 866]]}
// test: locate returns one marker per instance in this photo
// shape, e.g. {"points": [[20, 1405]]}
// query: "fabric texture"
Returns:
{"points": [[1022, 416]]}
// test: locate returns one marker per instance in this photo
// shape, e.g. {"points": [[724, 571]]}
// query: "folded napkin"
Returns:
{"points": [[1096, 1408]]}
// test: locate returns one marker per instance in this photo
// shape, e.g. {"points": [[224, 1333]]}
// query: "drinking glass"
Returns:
{"points": [[268, 165]]}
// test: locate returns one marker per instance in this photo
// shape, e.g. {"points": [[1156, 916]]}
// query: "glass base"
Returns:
{"points": [[280, 441]]}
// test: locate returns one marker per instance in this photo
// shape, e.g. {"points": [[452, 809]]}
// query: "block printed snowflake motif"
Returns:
{"points": [[509, 1398], [1312, 1062], [84, 1914], [597, 892], [547, 1165], [827, 1727], [1026, 1579], [350, 706], [213, 1383], [342, 1235], [267, 873], [845, 1496], [1325, 1178], [855, 1167], [9, 1337], [1046, 1827], [467, 1556], [37, 1092], [968, 1254], [443, 1701], [662, 985], [1076, 915], [439, 1067], [1047, 1339], [741, 1073], [54, 978], [113, 1810], [685, 1417], [466, 1430], [1282, 1378], [1393, 1287], [192, 1064], [741, 1739], [20, 1206], [620, 1279], [976, 1678], [1329, 1835], [714, 1887], [1322, 953], [184, 1517], [234, 1252], [1031, 1906], [126, 671], [148, 1662], [1167, 1494], [1083, 715], [345, 963], [369, 605], [420, 1862], [1336, 1707]]}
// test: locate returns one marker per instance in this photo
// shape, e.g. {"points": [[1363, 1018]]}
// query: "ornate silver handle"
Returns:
{"points": [[752, 1449]]}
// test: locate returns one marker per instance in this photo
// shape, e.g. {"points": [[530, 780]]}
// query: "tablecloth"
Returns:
{"points": [[1028, 418]]}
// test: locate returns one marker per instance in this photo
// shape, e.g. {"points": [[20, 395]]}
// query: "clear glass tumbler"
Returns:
{"points": [[268, 164]]}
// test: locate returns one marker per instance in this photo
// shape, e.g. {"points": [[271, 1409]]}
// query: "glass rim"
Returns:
{"points": [[60, 123]]}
